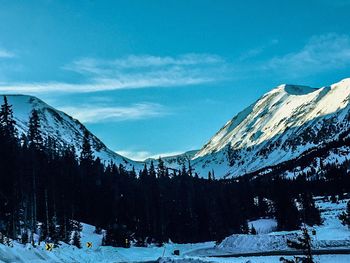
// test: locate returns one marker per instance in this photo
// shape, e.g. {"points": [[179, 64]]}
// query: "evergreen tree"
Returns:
{"points": [[303, 243], [55, 231], [88, 177], [7, 122], [117, 236], [37, 163], [310, 213], [189, 168], [76, 228], [210, 176], [133, 173], [24, 237], [286, 212], [183, 171], [262, 207], [86, 155], [345, 216], [152, 171], [10, 179], [161, 169], [34, 134], [76, 239], [144, 172]]}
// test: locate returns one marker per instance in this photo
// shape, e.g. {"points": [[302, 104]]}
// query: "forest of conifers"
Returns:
{"points": [[47, 189]]}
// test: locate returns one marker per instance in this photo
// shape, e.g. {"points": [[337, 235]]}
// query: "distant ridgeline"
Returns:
{"points": [[48, 191], [296, 128]]}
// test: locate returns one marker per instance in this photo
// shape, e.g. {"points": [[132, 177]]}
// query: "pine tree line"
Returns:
{"points": [[47, 190]]}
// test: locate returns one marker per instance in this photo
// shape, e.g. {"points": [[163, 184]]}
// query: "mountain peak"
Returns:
{"points": [[60, 127], [345, 83], [281, 125], [292, 89], [346, 80]]}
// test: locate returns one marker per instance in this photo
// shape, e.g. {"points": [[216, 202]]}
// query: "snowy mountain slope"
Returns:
{"points": [[280, 126], [61, 127], [174, 161], [315, 162]]}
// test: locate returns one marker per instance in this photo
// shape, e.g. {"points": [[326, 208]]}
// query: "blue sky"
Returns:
{"points": [[157, 77]]}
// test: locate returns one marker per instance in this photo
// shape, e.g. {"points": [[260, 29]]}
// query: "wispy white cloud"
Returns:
{"points": [[132, 82], [132, 72], [321, 53], [4, 53], [99, 66], [143, 155], [95, 114]]}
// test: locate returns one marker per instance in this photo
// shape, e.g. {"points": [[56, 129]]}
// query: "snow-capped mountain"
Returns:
{"points": [[61, 127], [174, 161], [282, 125], [287, 124]]}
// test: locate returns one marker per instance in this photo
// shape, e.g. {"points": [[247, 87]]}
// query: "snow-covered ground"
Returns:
{"points": [[67, 253], [332, 234], [270, 259], [264, 225]]}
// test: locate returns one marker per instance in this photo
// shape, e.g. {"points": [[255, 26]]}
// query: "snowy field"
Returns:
{"points": [[274, 259], [66, 253], [332, 234]]}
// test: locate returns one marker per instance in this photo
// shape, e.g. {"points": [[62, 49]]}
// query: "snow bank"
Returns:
{"points": [[264, 226], [256, 243]]}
